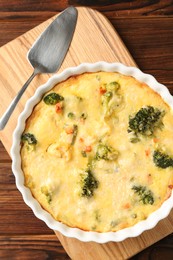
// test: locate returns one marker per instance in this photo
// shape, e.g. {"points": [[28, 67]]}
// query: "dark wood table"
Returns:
{"points": [[146, 27]]}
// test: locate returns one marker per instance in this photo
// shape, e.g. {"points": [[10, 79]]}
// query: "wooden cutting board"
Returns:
{"points": [[95, 40]]}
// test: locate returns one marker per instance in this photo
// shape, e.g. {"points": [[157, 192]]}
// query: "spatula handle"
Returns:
{"points": [[4, 119]]}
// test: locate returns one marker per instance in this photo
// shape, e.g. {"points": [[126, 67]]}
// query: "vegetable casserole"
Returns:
{"points": [[96, 151]]}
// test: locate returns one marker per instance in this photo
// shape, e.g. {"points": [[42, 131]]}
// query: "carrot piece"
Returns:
{"points": [[147, 152], [81, 140], [155, 140], [58, 108], [102, 90], [170, 186], [126, 206], [69, 130], [88, 148]]}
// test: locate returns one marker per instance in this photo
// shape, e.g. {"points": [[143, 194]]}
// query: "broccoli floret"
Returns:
{"points": [[112, 86], [162, 160], [145, 195], [88, 183], [29, 138], [75, 131], [146, 120], [110, 99], [106, 98], [71, 115], [84, 154], [45, 190], [52, 99], [106, 152]]}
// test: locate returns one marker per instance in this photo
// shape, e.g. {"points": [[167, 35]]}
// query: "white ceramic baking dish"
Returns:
{"points": [[39, 212]]}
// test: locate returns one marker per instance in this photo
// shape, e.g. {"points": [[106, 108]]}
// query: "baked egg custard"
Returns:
{"points": [[97, 151]]}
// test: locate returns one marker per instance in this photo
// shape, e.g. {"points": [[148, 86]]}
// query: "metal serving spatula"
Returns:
{"points": [[48, 52]]}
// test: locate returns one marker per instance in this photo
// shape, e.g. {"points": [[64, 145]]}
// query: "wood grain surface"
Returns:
{"points": [[146, 28]]}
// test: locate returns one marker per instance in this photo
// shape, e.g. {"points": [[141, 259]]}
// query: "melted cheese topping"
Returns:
{"points": [[57, 165]]}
